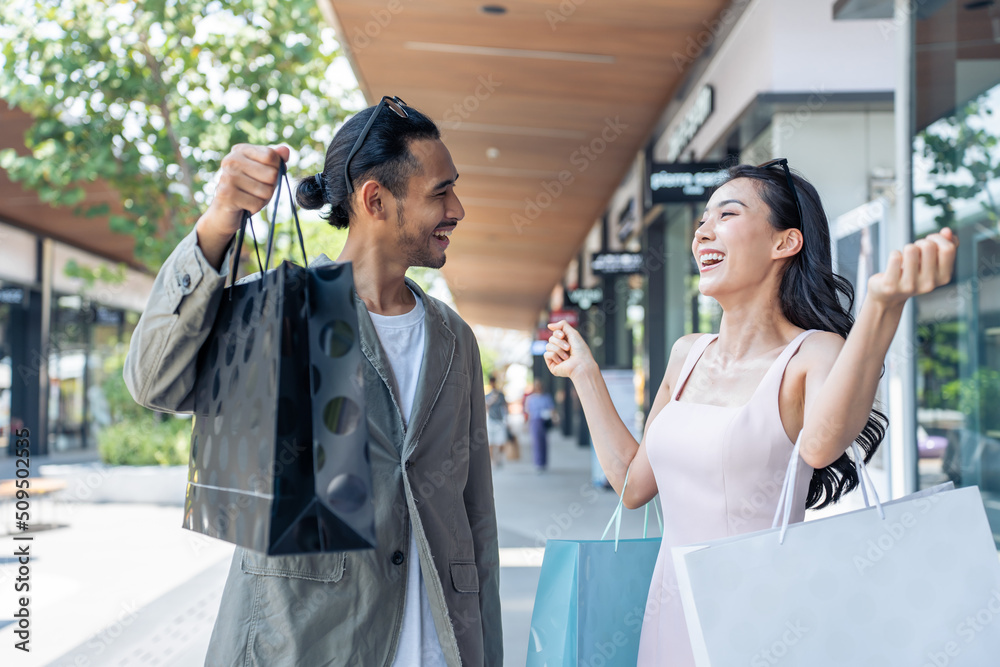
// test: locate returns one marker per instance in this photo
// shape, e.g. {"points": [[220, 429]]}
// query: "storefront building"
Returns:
{"points": [[60, 339], [821, 84], [954, 76]]}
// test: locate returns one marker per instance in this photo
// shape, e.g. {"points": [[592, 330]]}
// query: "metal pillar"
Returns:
{"points": [[901, 360]]}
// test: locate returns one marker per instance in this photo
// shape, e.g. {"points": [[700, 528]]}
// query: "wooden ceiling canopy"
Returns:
{"points": [[22, 208], [543, 108], [544, 89]]}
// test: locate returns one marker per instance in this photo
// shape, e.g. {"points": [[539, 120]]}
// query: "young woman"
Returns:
{"points": [[788, 358]]}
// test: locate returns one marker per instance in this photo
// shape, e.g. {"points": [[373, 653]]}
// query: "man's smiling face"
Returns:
{"points": [[430, 211]]}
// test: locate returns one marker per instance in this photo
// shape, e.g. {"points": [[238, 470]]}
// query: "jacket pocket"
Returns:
{"points": [[465, 577], [458, 378], [326, 568]]}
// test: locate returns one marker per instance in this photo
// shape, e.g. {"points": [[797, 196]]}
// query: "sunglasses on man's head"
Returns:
{"points": [[393, 103], [783, 163]]}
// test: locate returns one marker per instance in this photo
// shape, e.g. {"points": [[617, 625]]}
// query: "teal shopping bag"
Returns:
{"points": [[591, 599], [590, 602]]}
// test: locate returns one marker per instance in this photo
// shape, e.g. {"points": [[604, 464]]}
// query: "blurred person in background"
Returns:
{"points": [[538, 411], [789, 362], [496, 421]]}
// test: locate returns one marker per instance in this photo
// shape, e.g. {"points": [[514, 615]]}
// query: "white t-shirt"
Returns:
{"points": [[402, 338]]}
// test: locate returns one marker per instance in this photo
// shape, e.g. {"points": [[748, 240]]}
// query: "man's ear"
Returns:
{"points": [[789, 243], [372, 199]]}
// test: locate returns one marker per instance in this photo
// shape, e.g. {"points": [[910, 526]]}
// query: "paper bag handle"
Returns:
{"points": [[616, 516], [783, 511], [282, 177]]}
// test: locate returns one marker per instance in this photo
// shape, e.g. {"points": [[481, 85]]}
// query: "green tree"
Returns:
{"points": [[938, 362], [319, 238], [978, 395], [963, 159], [148, 97]]}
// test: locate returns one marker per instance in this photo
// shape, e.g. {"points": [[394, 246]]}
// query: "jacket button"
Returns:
{"points": [[186, 281], [397, 558], [408, 464]]}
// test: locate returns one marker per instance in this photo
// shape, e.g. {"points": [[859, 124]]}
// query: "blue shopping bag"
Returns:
{"points": [[591, 599]]}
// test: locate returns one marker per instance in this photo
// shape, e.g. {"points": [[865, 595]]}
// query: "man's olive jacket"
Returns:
{"points": [[346, 608]]}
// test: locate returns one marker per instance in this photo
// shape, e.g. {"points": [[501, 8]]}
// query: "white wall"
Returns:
{"points": [[787, 46], [130, 295], [811, 50], [836, 152], [739, 71], [17, 255], [18, 252]]}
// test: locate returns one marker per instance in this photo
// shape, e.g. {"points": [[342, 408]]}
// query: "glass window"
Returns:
{"points": [[69, 331], [88, 346], [11, 297], [956, 181]]}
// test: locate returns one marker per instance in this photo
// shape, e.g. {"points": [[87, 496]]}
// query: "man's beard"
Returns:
{"points": [[418, 251]]}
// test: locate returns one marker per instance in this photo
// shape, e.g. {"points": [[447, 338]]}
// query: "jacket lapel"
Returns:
{"points": [[439, 351]]}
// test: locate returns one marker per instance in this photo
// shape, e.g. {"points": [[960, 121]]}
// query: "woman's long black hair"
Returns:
{"points": [[813, 297], [385, 156]]}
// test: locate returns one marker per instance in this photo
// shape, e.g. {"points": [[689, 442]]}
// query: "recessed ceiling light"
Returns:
{"points": [[492, 153], [509, 53], [493, 9], [555, 133]]}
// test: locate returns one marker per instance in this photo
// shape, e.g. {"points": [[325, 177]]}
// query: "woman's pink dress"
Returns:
{"points": [[719, 472]]}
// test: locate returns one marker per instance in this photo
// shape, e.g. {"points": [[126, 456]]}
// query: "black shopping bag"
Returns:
{"points": [[279, 449]]}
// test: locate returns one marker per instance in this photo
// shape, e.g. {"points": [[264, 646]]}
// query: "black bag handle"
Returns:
{"points": [[282, 176]]}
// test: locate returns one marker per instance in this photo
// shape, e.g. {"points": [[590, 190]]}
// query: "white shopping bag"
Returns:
{"points": [[909, 583]]}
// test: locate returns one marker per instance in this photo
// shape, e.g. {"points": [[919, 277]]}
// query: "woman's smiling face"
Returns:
{"points": [[734, 243]]}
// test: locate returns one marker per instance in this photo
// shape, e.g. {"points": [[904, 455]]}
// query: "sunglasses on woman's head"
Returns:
{"points": [[393, 103], [788, 177]]}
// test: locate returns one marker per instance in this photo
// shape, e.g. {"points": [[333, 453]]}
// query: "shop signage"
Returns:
{"points": [[693, 120], [14, 295], [108, 316], [627, 220], [542, 335], [674, 183], [612, 263], [585, 297], [571, 317]]}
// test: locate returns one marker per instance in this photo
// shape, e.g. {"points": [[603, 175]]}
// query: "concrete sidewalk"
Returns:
{"points": [[124, 585]]}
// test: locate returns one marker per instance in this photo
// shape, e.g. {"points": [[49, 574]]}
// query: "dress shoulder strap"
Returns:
{"points": [[697, 349], [777, 369], [792, 348]]}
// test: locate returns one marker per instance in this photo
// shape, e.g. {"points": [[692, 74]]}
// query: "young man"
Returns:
{"points": [[428, 594]]}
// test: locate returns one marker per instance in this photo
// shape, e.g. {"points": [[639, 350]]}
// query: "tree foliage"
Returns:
{"points": [[964, 159], [149, 96]]}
